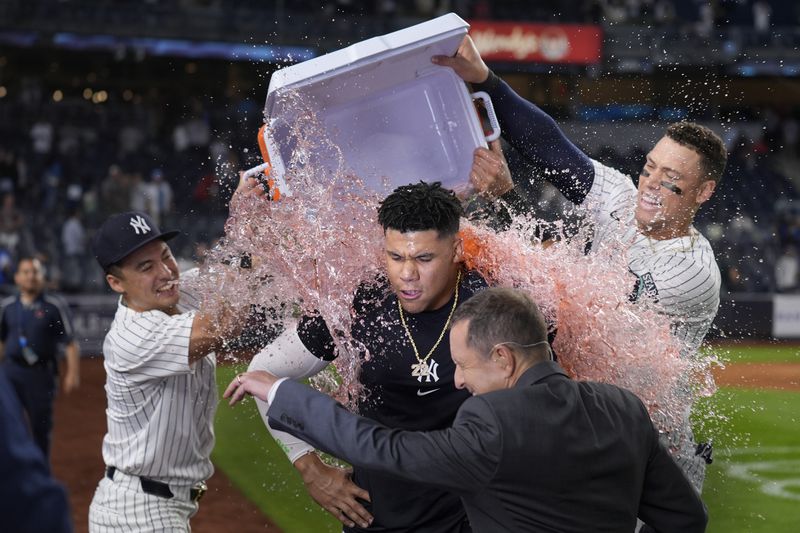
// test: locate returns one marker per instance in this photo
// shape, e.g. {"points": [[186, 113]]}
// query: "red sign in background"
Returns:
{"points": [[538, 43]]}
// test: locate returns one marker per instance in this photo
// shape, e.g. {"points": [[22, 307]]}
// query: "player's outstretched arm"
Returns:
{"points": [[331, 487], [211, 328], [526, 127]]}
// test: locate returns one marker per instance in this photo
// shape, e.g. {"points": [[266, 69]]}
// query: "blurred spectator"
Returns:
{"points": [[115, 191], [705, 26], [160, 197], [8, 171], [11, 226], [140, 193], [762, 13], [75, 259], [787, 270], [131, 138], [51, 181], [6, 272], [664, 13], [42, 137]]}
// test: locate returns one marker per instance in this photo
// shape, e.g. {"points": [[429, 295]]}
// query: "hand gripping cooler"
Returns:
{"points": [[396, 117]]}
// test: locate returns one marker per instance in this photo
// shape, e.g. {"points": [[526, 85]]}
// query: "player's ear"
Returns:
{"points": [[115, 283], [706, 191], [458, 252]]}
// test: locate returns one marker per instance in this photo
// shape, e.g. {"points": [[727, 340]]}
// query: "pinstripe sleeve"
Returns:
{"points": [[151, 345], [611, 190]]}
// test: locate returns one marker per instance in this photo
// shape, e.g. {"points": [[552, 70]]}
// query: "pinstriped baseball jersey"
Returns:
{"points": [[160, 408], [680, 275]]}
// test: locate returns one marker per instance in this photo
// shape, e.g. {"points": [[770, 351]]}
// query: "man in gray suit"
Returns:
{"points": [[532, 450]]}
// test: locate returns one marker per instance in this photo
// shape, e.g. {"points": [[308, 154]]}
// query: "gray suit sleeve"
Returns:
{"points": [[462, 458], [669, 501]]}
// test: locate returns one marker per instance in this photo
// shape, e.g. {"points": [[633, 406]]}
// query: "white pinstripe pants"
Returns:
{"points": [[120, 506]]}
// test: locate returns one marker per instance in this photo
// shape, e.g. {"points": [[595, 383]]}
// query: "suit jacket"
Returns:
{"points": [[549, 454], [30, 499]]}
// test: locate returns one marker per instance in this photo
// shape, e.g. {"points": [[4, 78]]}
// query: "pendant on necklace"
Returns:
{"points": [[420, 370]]}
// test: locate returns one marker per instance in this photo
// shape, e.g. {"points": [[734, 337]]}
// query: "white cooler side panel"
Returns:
{"points": [[416, 131]]}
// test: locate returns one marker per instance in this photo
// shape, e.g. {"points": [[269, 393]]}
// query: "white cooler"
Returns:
{"points": [[395, 117]]}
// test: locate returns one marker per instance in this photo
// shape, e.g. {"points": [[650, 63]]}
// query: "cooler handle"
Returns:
{"points": [[255, 171], [483, 96]]}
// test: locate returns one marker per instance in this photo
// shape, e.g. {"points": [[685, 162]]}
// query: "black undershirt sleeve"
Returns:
{"points": [[538, 138], [313, 331]]}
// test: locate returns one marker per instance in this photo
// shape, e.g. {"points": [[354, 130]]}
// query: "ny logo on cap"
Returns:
{"points": [[139, 225]]}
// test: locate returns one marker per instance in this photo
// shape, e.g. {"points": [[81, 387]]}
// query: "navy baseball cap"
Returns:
{"points": [[124, 233]]}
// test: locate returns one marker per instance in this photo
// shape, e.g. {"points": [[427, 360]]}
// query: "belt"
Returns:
{"points": [[160, 489]]}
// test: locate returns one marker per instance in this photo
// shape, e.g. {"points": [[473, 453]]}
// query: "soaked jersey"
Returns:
{"points": [[680, 275], [392, 396]]}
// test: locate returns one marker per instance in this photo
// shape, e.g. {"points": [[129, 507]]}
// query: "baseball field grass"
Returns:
{"points": [[758, 353], [753, 485], [249, 456]]}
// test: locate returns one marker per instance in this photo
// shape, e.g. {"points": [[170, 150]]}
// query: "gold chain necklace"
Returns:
{"points": [[420, 368]]}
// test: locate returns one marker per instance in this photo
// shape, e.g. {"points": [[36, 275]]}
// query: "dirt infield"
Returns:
{"points": [[782, 376], [80, 424]]}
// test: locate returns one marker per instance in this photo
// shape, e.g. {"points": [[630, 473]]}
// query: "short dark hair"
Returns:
{"points": [[499, 314], [420, 207], [114, 269], [713, 155], [32, 259]]}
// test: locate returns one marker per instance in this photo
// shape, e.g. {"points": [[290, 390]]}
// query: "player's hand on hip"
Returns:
{"points": [[256, 383], [467, 62], [490, 174], [333, 489]]}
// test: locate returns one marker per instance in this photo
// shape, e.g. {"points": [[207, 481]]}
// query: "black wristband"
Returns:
{"points": [[513, 200], [489, 84]]}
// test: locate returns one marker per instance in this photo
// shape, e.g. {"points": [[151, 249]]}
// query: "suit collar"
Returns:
{"points": [[540, 371]]}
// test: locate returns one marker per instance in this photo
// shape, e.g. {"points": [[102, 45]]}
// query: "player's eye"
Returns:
{"points": [[645, 172], [424, 258]]}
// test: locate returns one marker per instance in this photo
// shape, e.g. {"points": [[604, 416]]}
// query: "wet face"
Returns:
{"points": [[476, 372], [422, 267], [148, 279], [671, 189], [29, 276]]}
